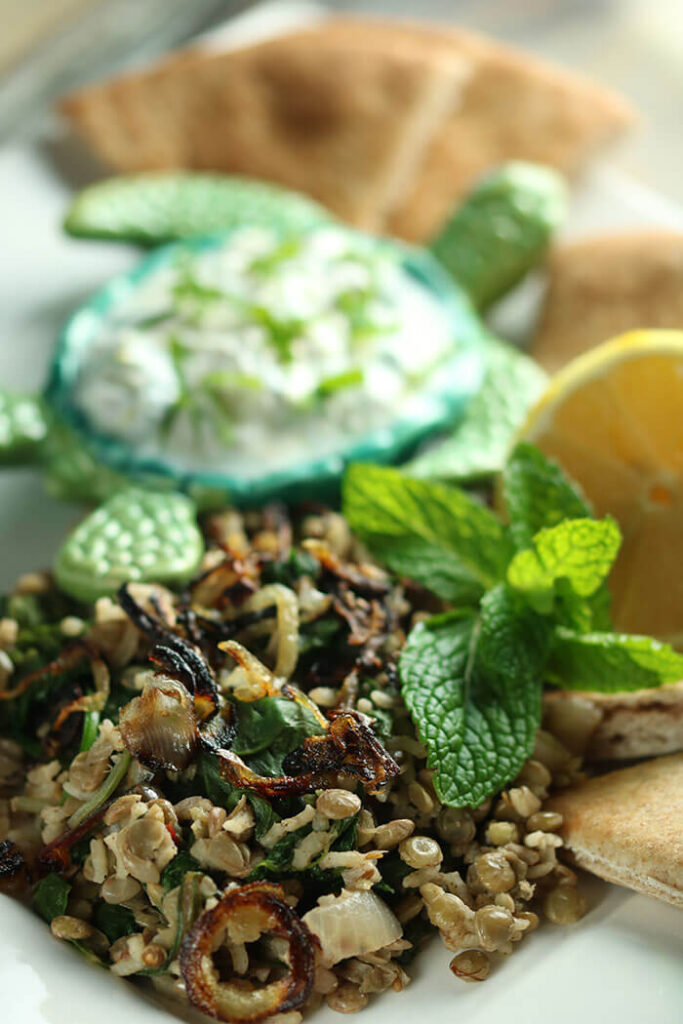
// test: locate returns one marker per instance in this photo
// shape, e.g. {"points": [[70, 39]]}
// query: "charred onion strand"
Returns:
{"points": [[175, 655], [91, 701], [348, 747], [365, 579], [242, 915], [13, 870], [65, 662]]}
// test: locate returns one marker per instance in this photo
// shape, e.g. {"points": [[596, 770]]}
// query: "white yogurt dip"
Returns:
{"points": [[259, 353]]}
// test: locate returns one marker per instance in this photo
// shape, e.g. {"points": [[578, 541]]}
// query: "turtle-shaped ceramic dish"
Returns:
{"points": [[381, 347]]}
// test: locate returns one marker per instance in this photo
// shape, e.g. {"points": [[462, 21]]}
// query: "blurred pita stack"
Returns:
{"points": [[627, 827], [386, 122], [345, 125], [603, 286]]}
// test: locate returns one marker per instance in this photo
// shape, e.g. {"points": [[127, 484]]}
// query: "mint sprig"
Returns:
{"points": [[532, 607], [578, 551], [611, 662], [478, 729], [436, 535]]}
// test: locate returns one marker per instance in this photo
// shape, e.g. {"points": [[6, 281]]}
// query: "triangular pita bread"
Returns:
{"points": [[346, 124]]}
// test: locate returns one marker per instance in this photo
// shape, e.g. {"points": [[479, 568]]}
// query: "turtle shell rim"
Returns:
{"points": [[317, 478]]}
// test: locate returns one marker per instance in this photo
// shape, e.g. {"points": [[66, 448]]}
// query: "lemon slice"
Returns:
{"points": [[613, 418]]}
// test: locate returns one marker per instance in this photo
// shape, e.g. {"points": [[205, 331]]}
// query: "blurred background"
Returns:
{"points": [[49, 46]]}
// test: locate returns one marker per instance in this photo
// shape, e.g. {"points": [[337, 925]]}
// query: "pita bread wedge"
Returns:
{"points": [[346, 125], [627, 827], [513, 107], [601, 287], [618, 726]]}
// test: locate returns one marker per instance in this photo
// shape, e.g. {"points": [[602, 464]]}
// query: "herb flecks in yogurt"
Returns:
{"points": [[314, 340]]}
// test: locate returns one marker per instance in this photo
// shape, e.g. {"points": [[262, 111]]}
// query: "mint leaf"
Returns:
{"points": [[436, 535], [473, 687], [50, 896], [174, 872], [480, 443], [270, 728], [113, 920], [538, 494], [611, 662], [580, 551]]}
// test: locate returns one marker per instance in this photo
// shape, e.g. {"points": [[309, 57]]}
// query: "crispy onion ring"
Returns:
{"points": [[13, 870], [255, 908], [348, 748]]}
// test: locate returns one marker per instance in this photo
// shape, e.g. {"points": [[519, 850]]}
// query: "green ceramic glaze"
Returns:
{"points": [[24, 427], [136, 535], [158, 207]]}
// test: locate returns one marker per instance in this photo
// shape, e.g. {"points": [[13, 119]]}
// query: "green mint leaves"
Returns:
{"points": [[478, 729], [531, 606], [611, 662], [538, 494], [579, 551], [436, 535]]}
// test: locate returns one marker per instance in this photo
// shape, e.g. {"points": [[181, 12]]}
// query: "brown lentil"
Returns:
{"points": [[499, 833], [388, 836], [471, 965], [337, 804], [494, 926], [494, 872], [346, 998], [420, 852], [524, 801], [564, 905], [72, 928], [544, 821], [455, 826]]}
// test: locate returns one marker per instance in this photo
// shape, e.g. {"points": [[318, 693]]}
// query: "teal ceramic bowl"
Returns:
{"points": [[442, 401]]}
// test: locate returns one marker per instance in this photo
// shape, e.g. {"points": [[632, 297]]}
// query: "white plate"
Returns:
{"points": [[622, 963]]}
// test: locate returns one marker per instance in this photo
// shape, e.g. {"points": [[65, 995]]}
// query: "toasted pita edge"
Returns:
{"points": [[624, 827], [644, 723], [625, 876]]}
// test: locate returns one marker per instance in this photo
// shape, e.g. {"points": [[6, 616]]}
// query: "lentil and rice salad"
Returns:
{"points": [[221, 791]]}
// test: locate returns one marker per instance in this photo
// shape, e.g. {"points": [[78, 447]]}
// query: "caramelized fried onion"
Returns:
{"points": [[365, 579], [159, 727], [13, 870], [348, 747], [179, 658], [243, 915], [64, 662]]}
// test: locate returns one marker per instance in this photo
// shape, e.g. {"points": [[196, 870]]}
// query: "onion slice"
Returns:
{"points": [[351, 924], [159, 727], [285, 644], [247, 911]]}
